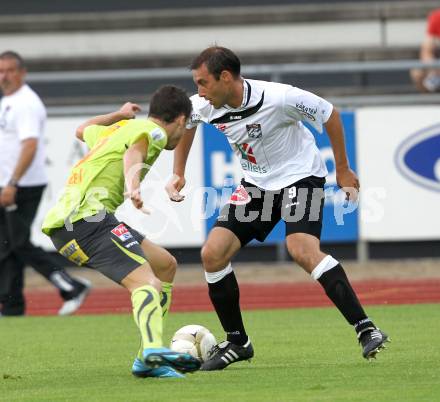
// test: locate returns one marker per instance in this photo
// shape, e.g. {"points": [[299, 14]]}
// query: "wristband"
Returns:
{"points": [[13, 183]]}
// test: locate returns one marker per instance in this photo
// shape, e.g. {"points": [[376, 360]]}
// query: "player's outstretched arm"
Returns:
{"points": [[127, 111], [177, 182], [345, 177]]}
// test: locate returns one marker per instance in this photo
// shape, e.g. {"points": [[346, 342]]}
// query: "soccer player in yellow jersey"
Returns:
{"points": [[83, 228]]}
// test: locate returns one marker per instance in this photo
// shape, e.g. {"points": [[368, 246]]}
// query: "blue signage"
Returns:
{"points": [[223, 173], [418, 158]]}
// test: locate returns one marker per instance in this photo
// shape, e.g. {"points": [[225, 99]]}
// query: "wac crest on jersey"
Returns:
{"points": [[254, 130]]}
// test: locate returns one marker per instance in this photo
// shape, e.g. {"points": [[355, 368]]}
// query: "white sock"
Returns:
{"points": [[326, 264], [213, 277]]}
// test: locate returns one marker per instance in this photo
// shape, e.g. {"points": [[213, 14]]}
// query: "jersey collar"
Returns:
{"points": [[246, 97]]}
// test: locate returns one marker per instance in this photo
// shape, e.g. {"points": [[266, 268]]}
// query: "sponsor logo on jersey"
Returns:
{"points": [[221, 127], [307, 111], [418, 158], [196, 118], [249, 161], [247, 153], [122, 232], [157, 134], [254, 130], [240, 196], [246, 165]]}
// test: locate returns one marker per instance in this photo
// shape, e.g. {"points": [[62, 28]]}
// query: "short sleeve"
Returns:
{"points": [[135, 137], [308, 107], [433, 28], [92, 134], [131, 131], [196, 116], [29, 122]]}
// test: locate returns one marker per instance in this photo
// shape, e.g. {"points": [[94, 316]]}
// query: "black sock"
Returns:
{"points": [[225, 297], [338, 289], [365, 325], [64, 282]]}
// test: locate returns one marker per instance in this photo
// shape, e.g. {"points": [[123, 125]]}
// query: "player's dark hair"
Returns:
{"points": [[169, 102], [218, 59], [9, 54]]}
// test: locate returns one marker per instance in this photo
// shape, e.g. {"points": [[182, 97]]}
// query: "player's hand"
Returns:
{"points": [[349, 182], [174, 186], [7, 196], [135, 197], [129, 110]]}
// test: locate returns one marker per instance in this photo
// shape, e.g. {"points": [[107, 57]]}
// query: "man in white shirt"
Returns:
{"points": [[22, 181], [284, 178]]}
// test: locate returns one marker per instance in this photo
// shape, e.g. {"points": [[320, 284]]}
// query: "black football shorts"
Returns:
{"points": [[252, 213], [107, 245]]}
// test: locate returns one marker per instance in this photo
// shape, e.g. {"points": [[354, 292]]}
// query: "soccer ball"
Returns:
{"points": [[195, 340]]}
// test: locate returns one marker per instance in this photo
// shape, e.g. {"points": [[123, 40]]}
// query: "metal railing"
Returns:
{"points": [[275, 72]]}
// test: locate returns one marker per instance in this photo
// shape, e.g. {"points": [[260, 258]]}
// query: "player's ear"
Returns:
{"points": [[226, 76], [181, 120]]}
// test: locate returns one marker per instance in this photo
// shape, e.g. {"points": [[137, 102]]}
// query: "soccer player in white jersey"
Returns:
{"points": [[284, 178]]}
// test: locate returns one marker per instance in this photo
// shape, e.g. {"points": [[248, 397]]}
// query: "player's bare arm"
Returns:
{"points": [[134, 159], [27, 153], [345, 177], [427, 50], [177, 181], [127, 111]]}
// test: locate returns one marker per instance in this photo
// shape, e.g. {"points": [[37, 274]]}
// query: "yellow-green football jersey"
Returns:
{"points": [[96, 182]]}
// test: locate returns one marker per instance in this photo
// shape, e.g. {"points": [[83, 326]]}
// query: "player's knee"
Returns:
{"points": [[212, 259], [172, 266], [300, 254], [140, 277]]}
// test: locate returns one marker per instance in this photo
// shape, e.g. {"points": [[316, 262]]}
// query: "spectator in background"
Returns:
{"points": [[429, 80], [22, 181]]}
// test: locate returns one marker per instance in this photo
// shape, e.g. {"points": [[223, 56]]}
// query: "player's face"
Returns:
{"points": [[11, 76], [214, 91]]}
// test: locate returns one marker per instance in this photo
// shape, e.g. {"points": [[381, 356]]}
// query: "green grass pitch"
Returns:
{"points": [[301, 355]]}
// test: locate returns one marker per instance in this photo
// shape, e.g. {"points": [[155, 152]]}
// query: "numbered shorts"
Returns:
{"points": [[107, 245], [252, 213]]}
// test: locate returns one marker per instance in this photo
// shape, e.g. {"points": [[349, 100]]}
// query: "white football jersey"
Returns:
{"points": [[267, 134]]}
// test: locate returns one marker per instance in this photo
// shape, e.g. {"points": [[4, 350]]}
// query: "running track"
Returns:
{"points": [[253, 296]]}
